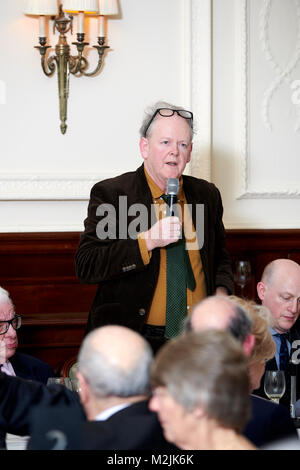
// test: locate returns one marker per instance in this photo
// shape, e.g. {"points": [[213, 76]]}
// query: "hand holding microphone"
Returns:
{"points": [[167, 230]]}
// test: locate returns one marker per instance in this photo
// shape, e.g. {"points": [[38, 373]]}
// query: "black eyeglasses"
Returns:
{"points": [[167, 112], [15, 322]]}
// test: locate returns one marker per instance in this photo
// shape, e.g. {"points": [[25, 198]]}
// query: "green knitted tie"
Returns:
{"points": [[179, 277]]}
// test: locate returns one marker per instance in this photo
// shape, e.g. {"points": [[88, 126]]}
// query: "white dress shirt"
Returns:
{"points": [[104, 415], [7, 368]]}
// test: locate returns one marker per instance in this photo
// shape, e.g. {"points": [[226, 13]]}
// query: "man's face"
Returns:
{"points": [[282, 298], [177, 424], [168, 148], [10, 338]]}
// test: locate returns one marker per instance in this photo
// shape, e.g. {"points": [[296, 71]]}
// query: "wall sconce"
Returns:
{"points": [[62, 60]]}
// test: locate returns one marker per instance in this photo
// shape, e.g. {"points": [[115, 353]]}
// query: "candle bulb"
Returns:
{"points": [[80, 22], [101, 26], [42, 26]]}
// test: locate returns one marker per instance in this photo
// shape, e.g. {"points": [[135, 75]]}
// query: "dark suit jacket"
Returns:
{"points": [[19, 396], [25, 406], [272, 365], [29, 367], [126, 285], [132, 428], [269, 422]]}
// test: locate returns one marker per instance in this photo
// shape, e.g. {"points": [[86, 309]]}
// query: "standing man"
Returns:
{"points": [[132, 258], [279, 291]]}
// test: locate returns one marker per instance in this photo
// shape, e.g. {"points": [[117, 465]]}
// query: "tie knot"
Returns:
{"points": [[282, 336]]}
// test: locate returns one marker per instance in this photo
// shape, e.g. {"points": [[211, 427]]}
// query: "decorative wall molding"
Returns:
{"points": [[201, 88], [242, 18], [22, 187], [282, 74]]}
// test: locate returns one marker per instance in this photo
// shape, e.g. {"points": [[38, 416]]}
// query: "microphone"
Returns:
{"points": [[172, 191]]}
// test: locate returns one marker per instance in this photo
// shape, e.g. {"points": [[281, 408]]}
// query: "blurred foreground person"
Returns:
{"points": [[249, 323], [201, 392], [110, 412]]}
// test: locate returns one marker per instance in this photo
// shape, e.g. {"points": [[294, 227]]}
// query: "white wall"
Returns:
{"points": [[159, 49], [256, 113]]}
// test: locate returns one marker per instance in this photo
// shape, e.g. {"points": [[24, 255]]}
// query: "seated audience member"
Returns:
{"points": [[13, 362], [113, 373], [201, 392], [249, 323], [16, 363], [279, 291], [114, 385]]}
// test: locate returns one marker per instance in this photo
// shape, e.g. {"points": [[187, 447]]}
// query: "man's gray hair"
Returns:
{"points": [[107, 379], [151, 110], [4, 296]]}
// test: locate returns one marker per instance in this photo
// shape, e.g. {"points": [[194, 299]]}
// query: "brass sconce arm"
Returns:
{"points": [[82, 63]]}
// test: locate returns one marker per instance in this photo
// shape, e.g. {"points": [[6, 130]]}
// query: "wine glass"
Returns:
{"points": [[71, 384], [274, 384], [242, 274]]}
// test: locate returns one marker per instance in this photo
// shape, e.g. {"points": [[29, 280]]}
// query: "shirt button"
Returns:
{"points": [[142, 311]]}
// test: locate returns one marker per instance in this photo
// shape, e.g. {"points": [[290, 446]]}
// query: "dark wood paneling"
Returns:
{"points": [[38, 271]]}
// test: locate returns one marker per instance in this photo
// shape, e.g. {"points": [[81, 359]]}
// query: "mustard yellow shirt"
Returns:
{"points": [[157, 314]]}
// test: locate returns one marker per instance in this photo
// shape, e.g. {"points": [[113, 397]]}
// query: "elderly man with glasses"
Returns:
{"points": [[154, 240], [11, 361]]}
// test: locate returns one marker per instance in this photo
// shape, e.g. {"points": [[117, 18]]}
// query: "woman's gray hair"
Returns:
{"points": [[151, 110], [207, 369], [106, 378]]}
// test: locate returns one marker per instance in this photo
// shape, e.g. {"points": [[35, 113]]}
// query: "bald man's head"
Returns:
{"points": [[221, 313], [279, 291], [115, 361]]}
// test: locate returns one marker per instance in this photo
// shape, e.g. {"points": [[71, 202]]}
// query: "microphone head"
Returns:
{"points": [[172, 186]]}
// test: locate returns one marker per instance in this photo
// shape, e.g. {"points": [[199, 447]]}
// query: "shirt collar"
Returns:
{"points": [[7, 368], [275, 333], [156, 190], [104, 415]]}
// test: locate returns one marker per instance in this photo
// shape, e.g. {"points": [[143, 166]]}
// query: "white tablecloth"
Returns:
{"points": [[16, 442]]}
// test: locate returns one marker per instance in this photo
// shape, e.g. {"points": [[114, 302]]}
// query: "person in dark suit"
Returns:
{"points": [[279, 291], [13, 362], [110, 411], [249, 323], [128, 256]]}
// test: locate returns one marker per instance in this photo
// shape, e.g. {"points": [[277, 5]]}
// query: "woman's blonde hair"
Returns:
{"points": [[261, 321]]}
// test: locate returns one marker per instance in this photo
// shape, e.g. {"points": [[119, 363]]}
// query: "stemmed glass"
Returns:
{"points": [[71, 384], [242, 274], [274, 384]]}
